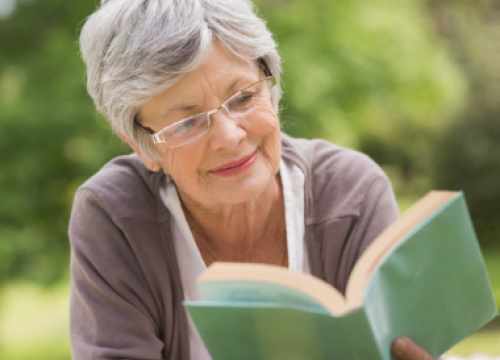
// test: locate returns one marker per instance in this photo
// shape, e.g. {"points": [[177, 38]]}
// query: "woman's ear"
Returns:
{"points": [[150, 165]]}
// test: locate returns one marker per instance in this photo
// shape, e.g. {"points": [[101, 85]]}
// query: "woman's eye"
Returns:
{"points": [[187, 126], [242, 102], [242, 99]]}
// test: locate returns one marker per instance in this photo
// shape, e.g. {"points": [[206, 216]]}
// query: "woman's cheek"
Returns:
{"points": [[172, 160], [165, 161], [264, 122], [271, 139]]}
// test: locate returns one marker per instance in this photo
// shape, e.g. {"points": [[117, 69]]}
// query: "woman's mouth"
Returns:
{"points": [[235, 167]]}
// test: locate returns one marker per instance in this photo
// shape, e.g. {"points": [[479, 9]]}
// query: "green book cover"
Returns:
{"points": [[431, 286]]}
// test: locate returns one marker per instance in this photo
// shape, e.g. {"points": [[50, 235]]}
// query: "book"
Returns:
{"points": [[424, 277]]}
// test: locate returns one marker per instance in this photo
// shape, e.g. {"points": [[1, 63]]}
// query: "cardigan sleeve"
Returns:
{"points": [[111, 308], [378, 210], [345, 238], [353, 202]]}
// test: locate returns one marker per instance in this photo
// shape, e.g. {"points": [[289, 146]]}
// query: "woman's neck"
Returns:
{"points": [[254, 231]]}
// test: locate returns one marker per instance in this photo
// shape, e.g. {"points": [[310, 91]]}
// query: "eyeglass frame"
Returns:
{"points": [[156, 135]]}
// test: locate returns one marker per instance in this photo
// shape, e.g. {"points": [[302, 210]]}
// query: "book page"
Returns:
{"points": [[256, 292], [243, 282]]}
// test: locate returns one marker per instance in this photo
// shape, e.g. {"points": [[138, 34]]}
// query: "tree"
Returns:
{"points": [[466, 153], [370, 75], [51, 138], [373, 75]]}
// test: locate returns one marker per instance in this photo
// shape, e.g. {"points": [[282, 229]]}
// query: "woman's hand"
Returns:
{"points": [[405, 349]]}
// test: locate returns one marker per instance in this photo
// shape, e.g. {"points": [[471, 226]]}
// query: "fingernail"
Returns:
{"points": [[399, 346]]}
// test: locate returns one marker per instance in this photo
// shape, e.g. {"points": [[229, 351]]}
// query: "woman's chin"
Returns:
{"points": [[244, 191]]}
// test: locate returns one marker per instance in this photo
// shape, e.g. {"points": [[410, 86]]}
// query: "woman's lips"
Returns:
{"points": [[235, 167]]}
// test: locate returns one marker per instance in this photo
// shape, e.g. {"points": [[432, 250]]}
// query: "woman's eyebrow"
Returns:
{"points": [[181, 107], [232, 89]]}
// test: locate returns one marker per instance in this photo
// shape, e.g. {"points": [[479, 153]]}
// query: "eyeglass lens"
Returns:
{"points": [[237, 106]]}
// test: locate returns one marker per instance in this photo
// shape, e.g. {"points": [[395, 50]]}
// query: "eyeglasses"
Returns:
{"points": [[194, 127]]}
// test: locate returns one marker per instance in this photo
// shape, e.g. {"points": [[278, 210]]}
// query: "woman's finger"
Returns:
{"points": [[405, 349]]}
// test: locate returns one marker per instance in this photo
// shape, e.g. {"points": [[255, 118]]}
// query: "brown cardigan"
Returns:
{"points": [[126, 291]]}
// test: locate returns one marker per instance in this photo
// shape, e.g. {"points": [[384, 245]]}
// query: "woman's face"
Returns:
{"points": [[239, 157]]}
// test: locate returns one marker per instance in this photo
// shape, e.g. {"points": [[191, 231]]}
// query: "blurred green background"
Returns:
{"points": [[414, 84]]}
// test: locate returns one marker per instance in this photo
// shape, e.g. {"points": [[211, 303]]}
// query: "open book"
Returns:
{"points": [[423, 277]]}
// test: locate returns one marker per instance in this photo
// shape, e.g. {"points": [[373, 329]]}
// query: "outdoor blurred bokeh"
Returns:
{"points": [[413, 83]]}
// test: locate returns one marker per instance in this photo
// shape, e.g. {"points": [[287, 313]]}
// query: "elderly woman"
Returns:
{"points": [[194, 88]]}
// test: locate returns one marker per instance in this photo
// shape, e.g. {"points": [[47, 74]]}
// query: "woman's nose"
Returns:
{"points": [[225, 131]]}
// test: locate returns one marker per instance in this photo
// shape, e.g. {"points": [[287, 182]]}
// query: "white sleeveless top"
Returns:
{"points": [[191, 263]]}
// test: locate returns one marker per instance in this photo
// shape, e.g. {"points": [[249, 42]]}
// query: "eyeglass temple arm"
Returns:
{"points": [[149, 130], [265, 68]]}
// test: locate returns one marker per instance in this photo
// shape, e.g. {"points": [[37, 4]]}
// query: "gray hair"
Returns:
{"points": [[135, 49]]}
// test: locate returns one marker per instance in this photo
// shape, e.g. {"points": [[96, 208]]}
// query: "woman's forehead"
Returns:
{"points": [[220, 75], [220, 69]]}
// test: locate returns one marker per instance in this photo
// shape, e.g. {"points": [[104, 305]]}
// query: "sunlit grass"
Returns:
{"points": [[485, 342], [405, 202], [34, 323], [52, 348], [492, 259]]}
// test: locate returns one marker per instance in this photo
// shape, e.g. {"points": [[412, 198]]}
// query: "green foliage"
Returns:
{"points": [[51, 138], [375, 75], [466, 160], [466, 155], [362, 69]]}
